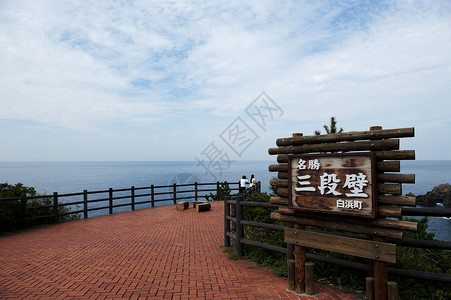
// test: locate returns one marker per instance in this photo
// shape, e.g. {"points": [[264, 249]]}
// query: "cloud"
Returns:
{"points": [[116, 67]]}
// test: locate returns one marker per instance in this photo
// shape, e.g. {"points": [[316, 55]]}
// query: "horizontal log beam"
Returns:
{"points": [[388, 166], [347, 136], [389, 211], [278, 183], [382, 223], [390, 188], [282, 175], [278, 168], [398, 178], [278, 200], [282, 192], [397, 200], [392, 144], [341, 226], [396, 155]]}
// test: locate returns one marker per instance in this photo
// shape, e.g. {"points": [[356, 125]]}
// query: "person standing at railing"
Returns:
{"points": [[243, 183], [252, 181]]}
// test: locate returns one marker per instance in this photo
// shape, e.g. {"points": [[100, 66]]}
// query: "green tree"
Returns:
{"points": [[330, 129]]}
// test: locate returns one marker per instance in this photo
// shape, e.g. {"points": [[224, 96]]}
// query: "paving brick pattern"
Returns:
{"points": [[155, 253]]}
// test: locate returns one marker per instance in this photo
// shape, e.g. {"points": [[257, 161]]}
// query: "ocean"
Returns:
{"points": [[73, 177]]}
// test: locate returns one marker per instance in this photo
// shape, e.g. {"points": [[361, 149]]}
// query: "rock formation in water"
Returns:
{"points": [[439, 194]]}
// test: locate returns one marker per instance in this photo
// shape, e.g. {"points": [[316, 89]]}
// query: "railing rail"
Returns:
{"points": [[234, 223], [113, 199]]}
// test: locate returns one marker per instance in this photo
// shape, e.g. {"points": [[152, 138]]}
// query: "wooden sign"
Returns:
{"points": [[333, 183]]}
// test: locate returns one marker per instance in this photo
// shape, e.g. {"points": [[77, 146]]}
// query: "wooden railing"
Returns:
{"points": [[234, 230], [113, 200]]}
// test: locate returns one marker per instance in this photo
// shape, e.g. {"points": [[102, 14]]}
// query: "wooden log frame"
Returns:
{"points": [[385, 146]]}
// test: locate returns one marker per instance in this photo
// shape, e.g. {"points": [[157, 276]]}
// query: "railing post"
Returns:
{"points": [[133, 197], [55, 207], [239, 228], [195, 191], [175, 192], [152, 195], [217, 191], [85, 204], [110, 197], [259, 187], [226, 222]]}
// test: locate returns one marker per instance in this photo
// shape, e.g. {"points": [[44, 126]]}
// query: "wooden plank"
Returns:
{"points": [[389, 211], [347, 136], [339, 225], [378, 251], [392, 144]]}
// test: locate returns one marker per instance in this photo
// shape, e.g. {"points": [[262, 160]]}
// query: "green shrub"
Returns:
{"points": [[22, 213]]}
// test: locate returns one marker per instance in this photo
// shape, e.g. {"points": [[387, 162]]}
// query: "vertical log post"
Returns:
{"points": [[309, 278], [226, 221], [239, 228], [217, 190], [195, 191], [291, 275], [133, 197], [392, 292], [369, 288], [299, 261], [85, 204], [55, 207], [152, 195], [380, 276], [174, 188], [110, 198]]}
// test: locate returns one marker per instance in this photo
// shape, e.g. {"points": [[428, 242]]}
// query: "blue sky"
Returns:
{"points": [[162, 80]]}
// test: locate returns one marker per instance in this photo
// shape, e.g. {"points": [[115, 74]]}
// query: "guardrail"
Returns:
{"points": [[113, 200], [234, 230]]}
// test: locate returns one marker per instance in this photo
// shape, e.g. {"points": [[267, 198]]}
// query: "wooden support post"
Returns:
{"points": [[133, 197], [370, 288], [226, 222], [85, 204], [239, 232], [217, 190], [291, 274], [110, 198], [392, 290], [309, 278], [152, 195], [380, 276], [174, 187], [299, 261], [195, 191], [55, 207]]}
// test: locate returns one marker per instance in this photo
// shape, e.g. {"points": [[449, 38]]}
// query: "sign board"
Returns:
{"points": [[333, 183]]}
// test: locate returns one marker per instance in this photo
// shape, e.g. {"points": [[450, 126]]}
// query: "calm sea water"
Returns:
{"points": [[72, 177]]}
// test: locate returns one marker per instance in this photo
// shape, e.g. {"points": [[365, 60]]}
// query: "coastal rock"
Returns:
{"points": [[439, 194]]}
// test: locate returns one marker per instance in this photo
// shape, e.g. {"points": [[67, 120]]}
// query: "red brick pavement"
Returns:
{"points": [[155, 253]]}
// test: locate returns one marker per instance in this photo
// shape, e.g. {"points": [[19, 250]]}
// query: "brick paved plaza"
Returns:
{"points": [[155, 253]]}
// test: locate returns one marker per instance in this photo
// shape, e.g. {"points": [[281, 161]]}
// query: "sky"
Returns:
{"points": [[217, 80]]}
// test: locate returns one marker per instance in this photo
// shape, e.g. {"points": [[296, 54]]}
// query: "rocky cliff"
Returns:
{"points": [[439, 194]]}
